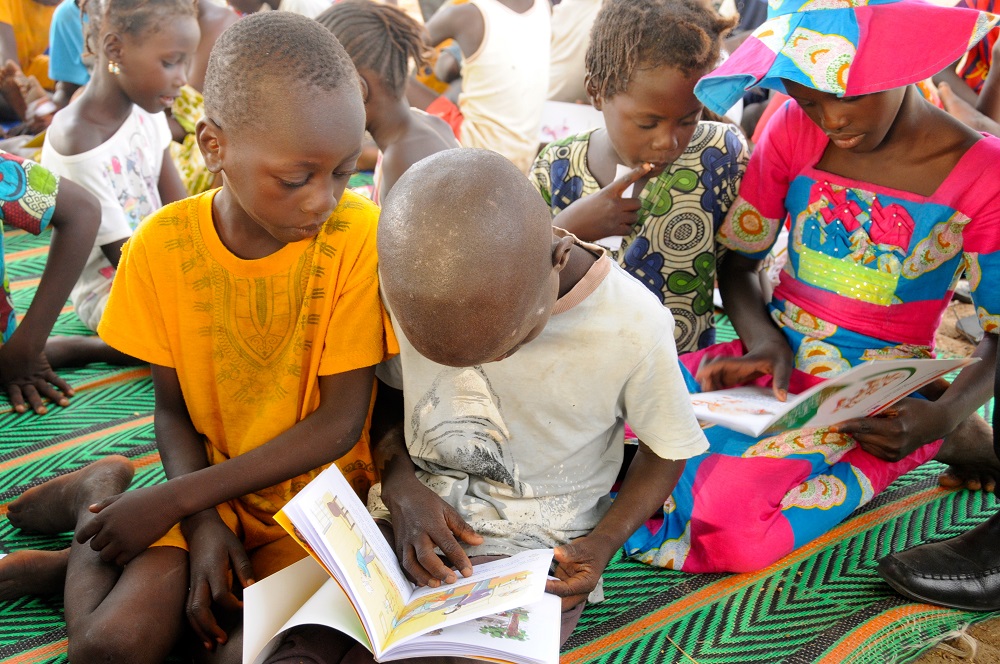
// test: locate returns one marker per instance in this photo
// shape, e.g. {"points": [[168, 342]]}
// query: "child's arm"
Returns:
{"points": [[214, 551], [24, 371], [464, 23], [579, 564], [170, 186], [768, 352], [128, 523], [906, 425], [421, 520]]}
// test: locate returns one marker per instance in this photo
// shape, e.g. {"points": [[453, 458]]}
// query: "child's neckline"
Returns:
{"points": [[940, 191], [242, 267]]}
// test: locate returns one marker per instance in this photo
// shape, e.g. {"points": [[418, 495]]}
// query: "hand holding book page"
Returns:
{"points": [[864, 390], [371, 600]]}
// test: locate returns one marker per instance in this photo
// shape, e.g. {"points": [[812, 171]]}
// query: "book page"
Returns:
{"points": [[523, 634], [495, 586], [337, 527], [300, 594], [746, 409]]}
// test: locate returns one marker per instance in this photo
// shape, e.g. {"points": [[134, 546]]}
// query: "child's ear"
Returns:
{"points": [[365, 88], [211, 141], [112, 47], [595, 99], [561, 248]]}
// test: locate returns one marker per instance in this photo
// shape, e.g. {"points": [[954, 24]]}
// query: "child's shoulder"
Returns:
{"points": [[718, 135], [565, 146], [354, 219], [622, 302]]}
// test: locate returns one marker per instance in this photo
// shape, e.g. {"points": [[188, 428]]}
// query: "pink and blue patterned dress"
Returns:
{"points": [[870, 272], [27, 201]]}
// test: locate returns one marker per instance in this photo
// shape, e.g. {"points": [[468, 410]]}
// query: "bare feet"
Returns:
{"points": [[77, 351], [969, 453], [32, 573], [964, 111], [10, 90], [52, 507]]}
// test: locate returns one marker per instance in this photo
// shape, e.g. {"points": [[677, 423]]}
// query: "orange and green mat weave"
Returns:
{"points": [[823, 603]]}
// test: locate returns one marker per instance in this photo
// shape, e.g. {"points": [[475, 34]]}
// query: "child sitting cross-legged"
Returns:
{"points": [[509, 443], [257, 306]]}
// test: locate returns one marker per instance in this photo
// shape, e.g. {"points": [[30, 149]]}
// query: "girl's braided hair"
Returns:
{"points": [[378, 37], [129, 17], [633, 34]]}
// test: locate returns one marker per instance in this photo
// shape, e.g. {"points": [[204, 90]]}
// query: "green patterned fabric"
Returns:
{"points": [[823, 603]]}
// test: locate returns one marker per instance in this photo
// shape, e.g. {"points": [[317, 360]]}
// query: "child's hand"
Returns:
{"points": [[214, 552], [605, 213], [768, 359], [423, 521], [127, 524], [898, 430], [579, 566], [27, 378]]}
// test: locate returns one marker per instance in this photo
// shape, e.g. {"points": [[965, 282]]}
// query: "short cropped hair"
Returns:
{"points": [[378, 37], [628, 34], [262, 55]]}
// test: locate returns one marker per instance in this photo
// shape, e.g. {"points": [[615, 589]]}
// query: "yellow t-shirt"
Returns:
{"points": [[30, 21], [249, 338]]}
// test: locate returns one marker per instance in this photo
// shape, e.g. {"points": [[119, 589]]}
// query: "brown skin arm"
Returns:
{"points": [[126, 524], [64, 93], [214, 550], [579, 564], [989, 97], [464, 23], [421, 520], [8, 44], [170, 186], [768, 353], [903, 427], [24, 371]]}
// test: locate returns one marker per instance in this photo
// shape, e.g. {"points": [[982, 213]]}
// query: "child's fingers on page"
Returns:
{"points": [[31, 395], [58, 381], [430, 562], [49, 392], [242, 566]]}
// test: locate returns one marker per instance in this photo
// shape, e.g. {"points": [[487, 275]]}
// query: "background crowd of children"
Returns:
{"points": [[193, 161]]}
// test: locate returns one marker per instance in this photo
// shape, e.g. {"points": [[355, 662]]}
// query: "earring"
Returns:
{"points": [[113, 68]]}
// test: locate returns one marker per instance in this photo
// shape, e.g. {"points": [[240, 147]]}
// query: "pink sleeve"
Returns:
{"points": [[790, 143]]}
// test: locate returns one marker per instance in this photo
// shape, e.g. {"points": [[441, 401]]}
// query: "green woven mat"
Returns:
{"points": [[823, 603]]}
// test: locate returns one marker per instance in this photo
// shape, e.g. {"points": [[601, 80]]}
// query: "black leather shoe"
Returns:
{"points": [[960, 573]]}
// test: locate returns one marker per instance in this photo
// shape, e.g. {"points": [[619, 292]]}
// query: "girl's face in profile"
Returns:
{"points": [[654, 119], [853, 124]]}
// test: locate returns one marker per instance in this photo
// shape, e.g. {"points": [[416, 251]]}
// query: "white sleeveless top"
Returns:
{"points": [[505, 82]]}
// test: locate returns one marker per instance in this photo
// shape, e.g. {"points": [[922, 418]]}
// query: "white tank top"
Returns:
{"points": [[505, 82]]}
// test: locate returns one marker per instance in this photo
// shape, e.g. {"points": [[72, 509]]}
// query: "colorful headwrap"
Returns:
{"points": [[845, 47]]}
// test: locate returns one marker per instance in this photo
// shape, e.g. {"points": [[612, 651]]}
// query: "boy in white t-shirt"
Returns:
{"points": [[502, 445]]}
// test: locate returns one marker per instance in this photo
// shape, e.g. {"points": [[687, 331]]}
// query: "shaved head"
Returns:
{"points": [[466, 257]]}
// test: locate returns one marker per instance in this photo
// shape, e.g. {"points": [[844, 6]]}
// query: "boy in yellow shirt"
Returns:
{"points": [[257, 305]]}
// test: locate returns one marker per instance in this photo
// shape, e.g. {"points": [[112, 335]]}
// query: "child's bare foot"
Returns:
{"points": [[32, 573], [77, 351], [11, 91], [969, 453], [52, 507]]}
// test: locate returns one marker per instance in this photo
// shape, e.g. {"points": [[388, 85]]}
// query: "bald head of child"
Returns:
{"points": [[469, 263]]}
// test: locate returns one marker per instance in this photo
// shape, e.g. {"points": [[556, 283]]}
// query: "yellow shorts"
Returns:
{"points": [[267, 557]]}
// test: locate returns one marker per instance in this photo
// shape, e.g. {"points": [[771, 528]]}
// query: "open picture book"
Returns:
{"points": [[353, 583], [864, 390]]}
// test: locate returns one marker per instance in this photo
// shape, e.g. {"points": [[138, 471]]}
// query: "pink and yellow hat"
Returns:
{"points": [[845, 47]]}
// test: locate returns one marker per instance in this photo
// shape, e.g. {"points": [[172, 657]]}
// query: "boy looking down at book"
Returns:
{"points": [[505, 441], [257, 306]]}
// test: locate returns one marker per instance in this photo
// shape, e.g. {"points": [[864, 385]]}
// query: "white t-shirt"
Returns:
{"points": [[123, 173], [526, 449], [307, 8]]}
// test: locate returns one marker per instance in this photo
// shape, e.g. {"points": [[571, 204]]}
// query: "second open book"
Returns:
{"points": [[864, 390], [354, 584]]}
